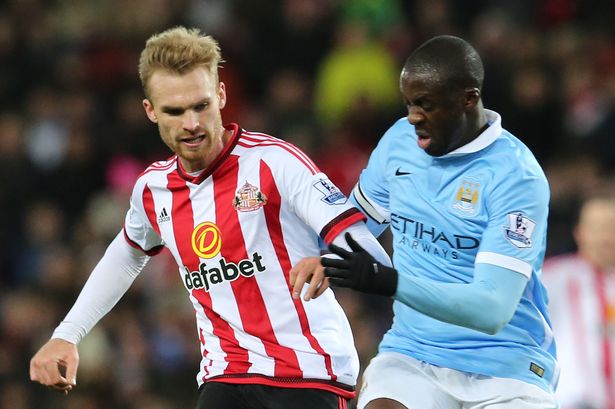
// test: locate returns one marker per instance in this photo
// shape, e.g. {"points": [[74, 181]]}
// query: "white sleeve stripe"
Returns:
{"points": [[508, 262], [366, 205]]}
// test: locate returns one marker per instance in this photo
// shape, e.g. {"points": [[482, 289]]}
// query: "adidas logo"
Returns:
{"points": [[163, 216]]}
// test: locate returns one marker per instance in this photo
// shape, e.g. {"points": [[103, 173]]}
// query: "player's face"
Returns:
{"points": [[437, 113], [187, 108], [595, 233]]}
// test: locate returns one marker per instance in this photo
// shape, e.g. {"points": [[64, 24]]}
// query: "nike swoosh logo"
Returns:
{"points": [[398, 172]]}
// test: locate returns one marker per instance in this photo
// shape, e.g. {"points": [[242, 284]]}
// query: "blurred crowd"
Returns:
{"points": [[322, 74]]}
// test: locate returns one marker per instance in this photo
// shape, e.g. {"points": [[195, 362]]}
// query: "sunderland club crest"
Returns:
{"points": [[249, 198]]}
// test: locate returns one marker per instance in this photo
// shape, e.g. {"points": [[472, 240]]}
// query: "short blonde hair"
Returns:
{"points": [[178, 50]]}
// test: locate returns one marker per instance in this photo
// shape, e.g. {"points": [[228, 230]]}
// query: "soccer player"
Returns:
{"points": [[467, 204], [239, 211], [581, 289]]}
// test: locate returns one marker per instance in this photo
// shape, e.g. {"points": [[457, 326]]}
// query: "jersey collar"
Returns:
{"points": [[217, 162], [486, 138]]}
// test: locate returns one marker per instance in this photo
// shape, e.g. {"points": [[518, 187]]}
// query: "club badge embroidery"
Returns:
{"points": [[519, 230], [466, 199], [249, 198]]}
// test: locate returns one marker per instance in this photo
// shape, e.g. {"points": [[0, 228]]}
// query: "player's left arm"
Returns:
{"points": [[512, 247], [310, 270], [486, 304]]}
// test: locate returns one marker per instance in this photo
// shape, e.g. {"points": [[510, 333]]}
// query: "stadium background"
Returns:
{"points": [[320, 73]]}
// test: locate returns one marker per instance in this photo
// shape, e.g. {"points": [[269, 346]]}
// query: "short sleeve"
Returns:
{"points": [[138, 228], [515, 237], [312, 196], [371, 193]]}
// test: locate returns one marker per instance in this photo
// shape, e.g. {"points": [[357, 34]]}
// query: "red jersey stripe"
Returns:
{"points": [[160, 166], [312, 169], [183, 217], [150, 208], [151, 252], [257, 136], [266, 140], [340, 223], [272, 217], [254, 316]]}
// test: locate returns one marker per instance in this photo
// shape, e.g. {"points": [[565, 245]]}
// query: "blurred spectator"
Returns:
{"points": [[571, 178], [534, 112], [46, 133], [290, 110], [44, 229], [581, 290], [342, 157], [357, 77], [17, 177]]}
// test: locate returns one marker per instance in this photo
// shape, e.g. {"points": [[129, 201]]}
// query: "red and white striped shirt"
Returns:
{"points": [[582, 310], [235, 230]]}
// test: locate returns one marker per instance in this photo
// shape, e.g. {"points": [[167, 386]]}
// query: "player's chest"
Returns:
{"points": [[215, 205], [427, 196]]}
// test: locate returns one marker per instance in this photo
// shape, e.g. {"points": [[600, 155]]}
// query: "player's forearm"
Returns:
{"points": [[109, 281], [367, 240], [486, 304]]}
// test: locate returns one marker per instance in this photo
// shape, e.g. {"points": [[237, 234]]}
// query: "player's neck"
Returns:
{"points": [[195, 168]]}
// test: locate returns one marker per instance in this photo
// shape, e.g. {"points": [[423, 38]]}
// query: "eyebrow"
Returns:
{"points": [[169, 109]]}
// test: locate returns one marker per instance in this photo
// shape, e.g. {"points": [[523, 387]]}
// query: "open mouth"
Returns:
{"points": [[194, 140], [424, 140]]}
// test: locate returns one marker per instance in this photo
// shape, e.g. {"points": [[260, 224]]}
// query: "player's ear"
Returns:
{"points": [[472, 96], [149, 110], [221, 95]]}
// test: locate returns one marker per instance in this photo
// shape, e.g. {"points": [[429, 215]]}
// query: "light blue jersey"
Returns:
{"points": [[485, 202]]}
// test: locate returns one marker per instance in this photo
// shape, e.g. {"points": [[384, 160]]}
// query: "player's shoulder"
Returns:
{"points": [[397, 138], [157, 171], [275, 152], [515, 162], [515, 152], [400, 129], [401, 125]]}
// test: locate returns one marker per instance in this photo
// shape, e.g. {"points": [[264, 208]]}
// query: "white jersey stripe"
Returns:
{"points": [[310, 166], [264, 137], [249, 139], [162, 165]]}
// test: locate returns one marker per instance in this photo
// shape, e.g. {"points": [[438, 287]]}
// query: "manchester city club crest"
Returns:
{"points": [[249, 198], [466, 199], [519, 230]]}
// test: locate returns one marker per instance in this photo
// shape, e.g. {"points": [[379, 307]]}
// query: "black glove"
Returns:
{"points": [[359, 270]]}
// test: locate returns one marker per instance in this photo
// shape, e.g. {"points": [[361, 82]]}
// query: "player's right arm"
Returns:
{"points": [[107, 283], [371, 193]]}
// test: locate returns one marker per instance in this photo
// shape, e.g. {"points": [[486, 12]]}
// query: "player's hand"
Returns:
{"points": [[55, 365], [309, 270], [359, 270]]}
